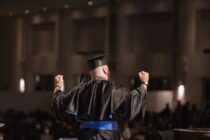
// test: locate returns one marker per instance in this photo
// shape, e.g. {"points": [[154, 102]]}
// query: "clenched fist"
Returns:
{"points": [[144, 76], [59, 81]]}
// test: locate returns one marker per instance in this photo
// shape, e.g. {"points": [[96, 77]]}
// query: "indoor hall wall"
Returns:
{"points": [[81, 32], [193, 65], [137, 27], [8, 48], [56, 41], [145, 39], [41, 33], [29, 101]]}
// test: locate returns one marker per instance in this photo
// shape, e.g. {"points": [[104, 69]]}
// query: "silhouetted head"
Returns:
{"points": [[97, 67]]}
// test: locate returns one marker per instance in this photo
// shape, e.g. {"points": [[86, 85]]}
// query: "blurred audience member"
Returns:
{"points": [[126, 132], [30, 125], [1, 136], [46, 135]]}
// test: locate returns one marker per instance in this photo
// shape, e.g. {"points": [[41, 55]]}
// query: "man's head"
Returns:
{"points": [[97, 67]]}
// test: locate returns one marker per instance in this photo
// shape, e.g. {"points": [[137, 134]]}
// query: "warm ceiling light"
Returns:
{"points": [[181, 92], [90, 3], [11, 14], [27, 11], [44, 8], [66, 6], [37, 78], [22, 85]]}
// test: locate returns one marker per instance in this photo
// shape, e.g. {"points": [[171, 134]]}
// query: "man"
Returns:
{"points": [[98, 104]]}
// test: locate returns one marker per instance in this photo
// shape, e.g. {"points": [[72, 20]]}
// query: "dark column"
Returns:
{"points": [[112, 25]]}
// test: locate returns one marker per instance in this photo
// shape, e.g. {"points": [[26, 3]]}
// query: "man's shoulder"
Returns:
{"points": [[94, 83]]}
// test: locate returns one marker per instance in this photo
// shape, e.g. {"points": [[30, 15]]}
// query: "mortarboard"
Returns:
{"points": [[95, 62]]}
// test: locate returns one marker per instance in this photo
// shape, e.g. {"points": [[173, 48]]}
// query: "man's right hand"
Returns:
{"points": [[59, 81]]}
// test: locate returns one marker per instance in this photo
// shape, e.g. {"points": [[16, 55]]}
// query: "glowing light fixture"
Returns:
{"points": [[27, 11], [22, 85], [66, 6], [11, 14], [44, 8], [37, 78], [181, 92], [90, 3]]}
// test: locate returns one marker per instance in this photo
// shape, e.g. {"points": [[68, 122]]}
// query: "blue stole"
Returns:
{"points": [[100, 125]]}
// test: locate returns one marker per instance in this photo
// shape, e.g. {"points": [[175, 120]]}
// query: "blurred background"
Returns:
{"points": [[42, 38]]}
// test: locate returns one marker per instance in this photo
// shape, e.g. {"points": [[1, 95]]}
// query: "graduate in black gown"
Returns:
{"points": [[98, 104]]}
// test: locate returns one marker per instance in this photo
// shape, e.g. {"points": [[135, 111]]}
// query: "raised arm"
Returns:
{"points": [[127, 104], [59, 98]]}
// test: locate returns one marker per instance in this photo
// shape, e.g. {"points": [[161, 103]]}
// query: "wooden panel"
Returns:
{"points": [[7, 53], [203, 30], [151, 32], [43, 38], [89, 36]]}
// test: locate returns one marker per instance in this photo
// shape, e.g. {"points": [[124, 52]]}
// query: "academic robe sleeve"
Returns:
{"points": [[128, 104], [60, 103]]}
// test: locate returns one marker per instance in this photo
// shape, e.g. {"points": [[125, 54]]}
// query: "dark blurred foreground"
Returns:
{"points": [[39, 125]]}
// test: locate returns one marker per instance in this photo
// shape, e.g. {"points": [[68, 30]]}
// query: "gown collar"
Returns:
{"points": [[98, 78]]}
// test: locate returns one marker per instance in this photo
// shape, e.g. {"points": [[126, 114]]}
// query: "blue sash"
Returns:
{"points": [[101, 125]]}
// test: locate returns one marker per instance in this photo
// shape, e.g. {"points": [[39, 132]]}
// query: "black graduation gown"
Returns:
{"points": [[99, 100]]}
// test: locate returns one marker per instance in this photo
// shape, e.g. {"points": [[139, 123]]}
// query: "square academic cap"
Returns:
{"points": [[95, 61]]}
